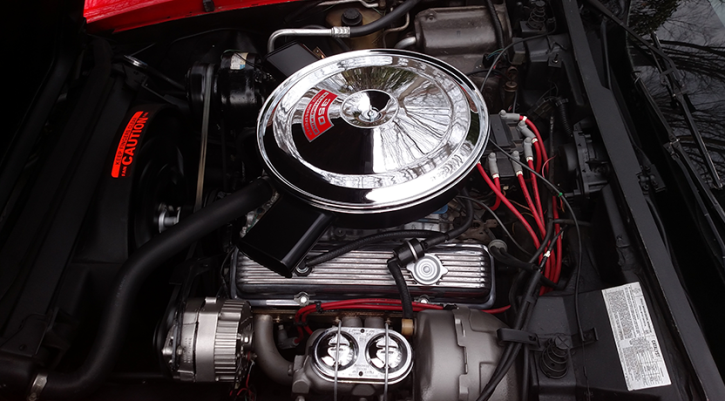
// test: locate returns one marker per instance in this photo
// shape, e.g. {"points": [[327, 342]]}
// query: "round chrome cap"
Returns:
{"points": [[372, 131], [427, 270]]}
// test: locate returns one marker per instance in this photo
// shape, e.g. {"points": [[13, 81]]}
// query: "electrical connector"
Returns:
{"points": [[498, 244], [493, 165], [528, 149], [410, 251], [509, 117], [517, 167], [525, 131]]}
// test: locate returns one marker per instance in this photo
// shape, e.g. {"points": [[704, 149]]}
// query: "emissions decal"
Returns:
{"points": [[315, 120], [640, 353], [127, 144]]}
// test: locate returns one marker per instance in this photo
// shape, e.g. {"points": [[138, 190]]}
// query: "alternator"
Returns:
{"points": [[207, 342]]}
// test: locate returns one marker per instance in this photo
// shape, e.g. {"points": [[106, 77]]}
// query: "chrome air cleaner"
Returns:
{"points": [[371, 138], [372, 131]]}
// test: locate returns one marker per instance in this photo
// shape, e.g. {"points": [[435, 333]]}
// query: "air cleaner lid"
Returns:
{"points": [[372, 131]]}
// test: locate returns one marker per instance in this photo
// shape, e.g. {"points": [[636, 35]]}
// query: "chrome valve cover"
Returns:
{"points": [[457, 273]]}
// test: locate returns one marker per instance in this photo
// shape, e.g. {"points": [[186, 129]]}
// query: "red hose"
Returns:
{"points": [[521, 218], [539, 157], [498, 200], [550, 271], [498, 310], [379, 307], [366, 301], [367, 304], [508, 204], [309, 308], [529, 202], [539, 142], [537, 198]]}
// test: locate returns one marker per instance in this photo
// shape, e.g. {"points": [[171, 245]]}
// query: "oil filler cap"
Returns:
{"points": [[351, 17], [427, 270]]}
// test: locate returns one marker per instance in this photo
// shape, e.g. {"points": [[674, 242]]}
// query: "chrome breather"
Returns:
{"points": [[361, 355]]}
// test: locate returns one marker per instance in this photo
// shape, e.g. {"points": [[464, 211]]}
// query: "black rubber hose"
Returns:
{"points": [[405, 297], [370, 239], [505, 364], [384, 21], [564, 117], [118, 313], [525, 376], [506, 258], [512, 349], [394, 263], [435, 237], [469, 217], [456, 232], [498, 29]]}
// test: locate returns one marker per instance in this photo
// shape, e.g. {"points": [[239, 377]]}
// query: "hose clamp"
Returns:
{"points": [[412, 250], [340, 31], [41, 379]]}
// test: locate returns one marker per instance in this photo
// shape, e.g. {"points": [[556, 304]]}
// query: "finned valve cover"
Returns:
{"points": [[372, 131]]}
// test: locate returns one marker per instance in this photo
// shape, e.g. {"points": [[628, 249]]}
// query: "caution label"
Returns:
{"points": [[639, 351], [315, 118], [126, 149]]}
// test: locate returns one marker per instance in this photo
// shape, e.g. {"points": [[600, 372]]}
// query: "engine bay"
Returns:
{"points": [[358, 200]]}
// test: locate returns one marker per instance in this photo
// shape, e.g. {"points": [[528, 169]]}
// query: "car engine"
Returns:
{"points": [[364, 148]]}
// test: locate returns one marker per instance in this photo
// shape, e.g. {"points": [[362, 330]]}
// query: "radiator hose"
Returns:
{"points": [[118, 312], [385, 21], [269, 359]]}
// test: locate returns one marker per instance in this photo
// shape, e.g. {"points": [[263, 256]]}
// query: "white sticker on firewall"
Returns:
{"points": [[239, 61], [639, 351]]}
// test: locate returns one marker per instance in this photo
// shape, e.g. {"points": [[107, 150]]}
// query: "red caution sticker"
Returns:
{"points": [[127, 144], [315, 118]]}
